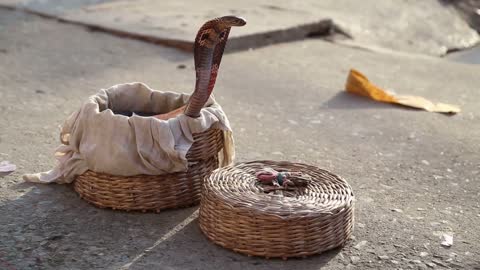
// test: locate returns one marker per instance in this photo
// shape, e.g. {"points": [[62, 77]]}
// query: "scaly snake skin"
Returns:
{"points": [[209, 46], [208, 51]]}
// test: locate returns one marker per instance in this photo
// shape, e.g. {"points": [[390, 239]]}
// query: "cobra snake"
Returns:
{"points": [[208, 51]]}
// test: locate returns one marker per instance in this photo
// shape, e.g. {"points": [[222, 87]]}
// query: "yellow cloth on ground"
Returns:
{"points": [[95, 138], [358, 83]]}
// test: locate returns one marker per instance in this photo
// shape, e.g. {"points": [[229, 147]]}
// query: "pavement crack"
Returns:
{"points": [[319, 29]]}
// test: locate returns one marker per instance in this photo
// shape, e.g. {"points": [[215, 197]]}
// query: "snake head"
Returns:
{"points": [[216, 30], [230, 21]]}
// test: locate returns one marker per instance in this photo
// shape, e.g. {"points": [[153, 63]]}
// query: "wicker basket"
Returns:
{"points": [[236, 213], [155, 192]]}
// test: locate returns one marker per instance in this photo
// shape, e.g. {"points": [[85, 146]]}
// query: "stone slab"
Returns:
{"points": [[426, 27]]}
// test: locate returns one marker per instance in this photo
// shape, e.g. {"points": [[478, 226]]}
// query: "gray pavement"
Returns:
{"points": [[471, 56], [426, 27], [415, 174]]}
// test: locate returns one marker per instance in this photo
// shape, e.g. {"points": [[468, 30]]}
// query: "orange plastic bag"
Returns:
{"points": [[358, 84]]}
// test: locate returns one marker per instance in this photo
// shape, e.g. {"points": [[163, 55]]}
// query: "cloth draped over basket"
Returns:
{"points": [[97, 138]]}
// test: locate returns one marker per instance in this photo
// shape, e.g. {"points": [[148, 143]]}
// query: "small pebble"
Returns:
{"points": [[181, 66], [447, 240]]}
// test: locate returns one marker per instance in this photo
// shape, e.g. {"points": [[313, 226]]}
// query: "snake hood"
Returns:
{"points": [[216, 31], [208, 51]]}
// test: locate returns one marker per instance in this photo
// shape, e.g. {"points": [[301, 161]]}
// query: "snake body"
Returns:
{"points": [[208, 51]]}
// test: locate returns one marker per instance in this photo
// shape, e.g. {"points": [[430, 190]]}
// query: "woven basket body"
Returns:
{"points": [[155, 192], [237, 213]]}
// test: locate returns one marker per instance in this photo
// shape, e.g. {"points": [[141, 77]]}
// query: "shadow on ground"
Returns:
{"points": [[190, 247], [346, 101], [53, 228], [58, 230]]}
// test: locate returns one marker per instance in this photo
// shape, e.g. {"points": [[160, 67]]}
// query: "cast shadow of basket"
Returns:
{"points": [[189, 248], [50, 227]]}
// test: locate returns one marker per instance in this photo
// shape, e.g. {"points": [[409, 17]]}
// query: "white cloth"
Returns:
{"points": [[96, 138]]}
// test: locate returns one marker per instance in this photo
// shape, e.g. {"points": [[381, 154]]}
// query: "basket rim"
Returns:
{"points": [[242, 202]]}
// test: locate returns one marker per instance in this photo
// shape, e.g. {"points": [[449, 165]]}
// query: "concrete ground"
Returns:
{"points": [[430, 27], [415, 174]]}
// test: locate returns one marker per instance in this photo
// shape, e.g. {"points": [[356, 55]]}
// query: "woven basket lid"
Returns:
{"points": [[240, 213], [238, 187]]}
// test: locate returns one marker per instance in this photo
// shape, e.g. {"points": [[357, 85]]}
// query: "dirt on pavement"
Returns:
{"points": [[415, 174]]}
